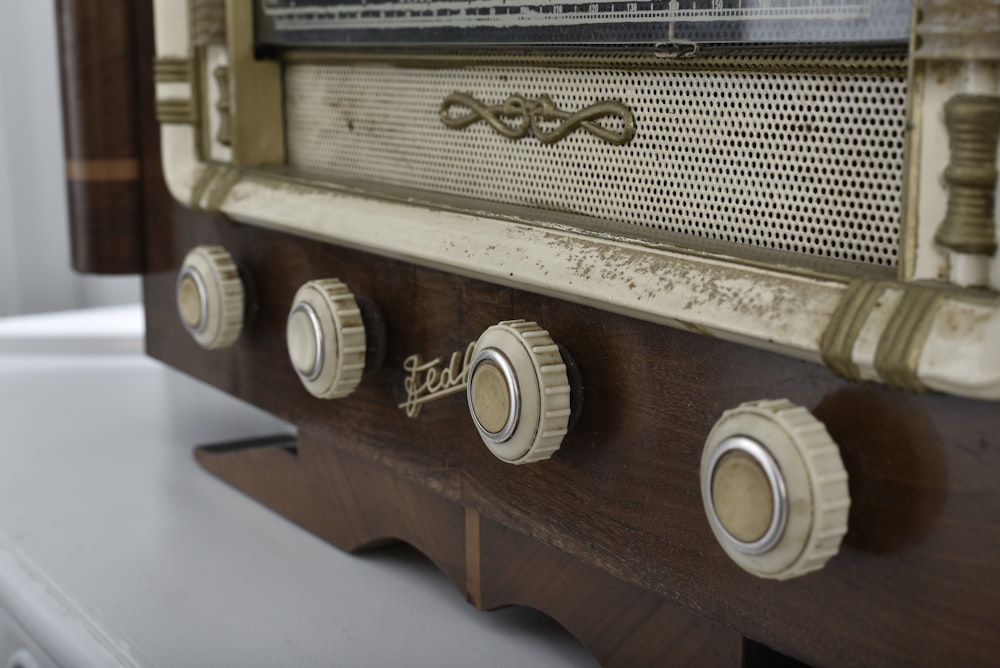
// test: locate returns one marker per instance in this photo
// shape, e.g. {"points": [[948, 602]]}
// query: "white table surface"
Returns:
{"points": [[117, 549]]}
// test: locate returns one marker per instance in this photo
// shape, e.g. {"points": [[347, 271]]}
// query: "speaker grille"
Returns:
{"points": [[785, 154]]}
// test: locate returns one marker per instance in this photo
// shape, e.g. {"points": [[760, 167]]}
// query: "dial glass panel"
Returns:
{"points": [[491, 23]]}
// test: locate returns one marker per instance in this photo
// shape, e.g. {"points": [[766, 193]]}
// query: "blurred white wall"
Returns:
{"points": [[35, 273]]}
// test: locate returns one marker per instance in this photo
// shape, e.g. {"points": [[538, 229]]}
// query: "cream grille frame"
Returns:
{"points": [[921, 331], [797, 155]]}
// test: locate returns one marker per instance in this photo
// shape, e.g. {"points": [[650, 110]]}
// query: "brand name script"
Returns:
{"points": [[434, 379]]}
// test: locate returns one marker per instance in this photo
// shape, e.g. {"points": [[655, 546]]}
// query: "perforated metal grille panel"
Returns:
{"points": [[801, 157]]}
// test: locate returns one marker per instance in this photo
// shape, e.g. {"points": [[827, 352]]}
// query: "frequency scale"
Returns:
{"points": [[288, 23]]}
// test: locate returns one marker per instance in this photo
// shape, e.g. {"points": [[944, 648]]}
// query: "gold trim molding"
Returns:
{"points": [[901, 342], [176, 110], [852, 313], [897, 357], [172, 70], [538, 117], [973, 123]]}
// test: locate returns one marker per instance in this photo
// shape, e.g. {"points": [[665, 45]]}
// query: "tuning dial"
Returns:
{"points": [[774, 489], [325, 334], [518, 392], [210, 297]]}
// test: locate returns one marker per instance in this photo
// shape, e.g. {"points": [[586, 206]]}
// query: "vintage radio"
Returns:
{"points": [[676, 320]]}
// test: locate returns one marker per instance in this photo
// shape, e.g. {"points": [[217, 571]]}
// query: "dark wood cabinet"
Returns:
{"points": [[609, 536]]}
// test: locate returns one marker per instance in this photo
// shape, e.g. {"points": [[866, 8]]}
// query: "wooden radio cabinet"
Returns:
{"points": [[697, 456]]}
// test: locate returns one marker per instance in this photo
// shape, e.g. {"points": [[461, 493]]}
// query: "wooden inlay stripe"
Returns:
{"points": [[97, 171]]}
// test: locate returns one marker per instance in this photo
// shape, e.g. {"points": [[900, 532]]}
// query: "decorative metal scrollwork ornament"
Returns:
{"points": [[518, 116]]}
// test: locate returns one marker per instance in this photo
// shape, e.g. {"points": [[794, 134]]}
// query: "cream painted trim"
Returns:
{"points": [[214, 56], [760, 307], [961, 355], [750, 305], [171, 28], [763, 308], [181, 167], [951, 55]]}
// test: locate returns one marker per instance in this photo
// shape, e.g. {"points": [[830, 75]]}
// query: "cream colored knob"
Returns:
{"points": [[774, 489], [518, 392], [325, 334], [210, 297]]}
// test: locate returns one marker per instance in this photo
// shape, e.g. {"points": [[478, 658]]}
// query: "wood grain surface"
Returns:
{"points": [[917, 580], [99, 75], [344, 499], [622, 625]]}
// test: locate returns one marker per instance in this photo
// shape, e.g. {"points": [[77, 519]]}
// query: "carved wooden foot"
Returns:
{"points": [[354, 504]]}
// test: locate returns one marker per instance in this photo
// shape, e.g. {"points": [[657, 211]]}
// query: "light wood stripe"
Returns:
{"points": [[96, 171]]}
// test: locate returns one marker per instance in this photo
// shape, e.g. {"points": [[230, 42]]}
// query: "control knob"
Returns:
{"points": [[210, 297], [519, 392], [325, 335], [774, 489]]}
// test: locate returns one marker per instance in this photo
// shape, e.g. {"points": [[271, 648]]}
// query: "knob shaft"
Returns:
{"points": [[210, 297], [325, 335], [518, 392], [774, 489]]}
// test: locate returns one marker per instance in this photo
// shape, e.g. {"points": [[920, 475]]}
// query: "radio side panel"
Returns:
{"points": [[100, 80]]}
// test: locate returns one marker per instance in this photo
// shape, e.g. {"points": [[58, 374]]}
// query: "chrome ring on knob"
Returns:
{"points": [[500, 361], [779, 496], [199, 286], [317, 328]]}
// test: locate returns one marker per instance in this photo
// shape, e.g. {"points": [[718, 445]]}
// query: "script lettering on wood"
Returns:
{"points": [[433, 380]]}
